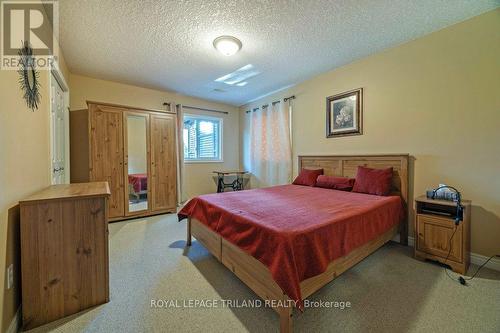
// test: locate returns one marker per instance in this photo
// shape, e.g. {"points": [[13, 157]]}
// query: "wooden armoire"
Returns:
{"points": [[104, 147]]}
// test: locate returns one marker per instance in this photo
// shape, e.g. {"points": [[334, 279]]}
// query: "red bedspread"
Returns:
{"points": [[139, 181], [296, 231]]}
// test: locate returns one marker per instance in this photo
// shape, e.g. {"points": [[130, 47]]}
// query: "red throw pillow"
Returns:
{"points": [[336, 183], [308, 177], [373, 181]]}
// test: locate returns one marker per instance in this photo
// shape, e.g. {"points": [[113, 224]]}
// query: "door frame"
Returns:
{"points": [[57, 75]]}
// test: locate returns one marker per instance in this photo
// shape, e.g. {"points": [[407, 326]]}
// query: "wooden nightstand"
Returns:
{"points": [[434, 225]]}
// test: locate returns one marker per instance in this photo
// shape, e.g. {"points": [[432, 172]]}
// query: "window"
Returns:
{"points": [[202, 138]]}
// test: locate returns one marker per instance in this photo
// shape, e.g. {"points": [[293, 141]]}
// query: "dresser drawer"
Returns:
{"points": [[433, 237]]}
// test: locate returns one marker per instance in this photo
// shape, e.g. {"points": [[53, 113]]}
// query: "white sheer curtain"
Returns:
{"points": [[269, 146]]}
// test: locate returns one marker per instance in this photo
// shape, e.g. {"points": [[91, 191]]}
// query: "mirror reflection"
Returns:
{"points": [[137, 163]]}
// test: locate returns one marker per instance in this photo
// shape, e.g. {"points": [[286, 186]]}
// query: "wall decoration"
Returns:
{"points": [[28, 76], [344, 114]]}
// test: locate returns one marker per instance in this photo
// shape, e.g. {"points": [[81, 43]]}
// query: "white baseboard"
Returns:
{"points": [[15, 324], [476, 259], [479, 259]]}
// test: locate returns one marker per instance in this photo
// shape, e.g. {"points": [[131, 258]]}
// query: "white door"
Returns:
{"points": [[58, 120]]}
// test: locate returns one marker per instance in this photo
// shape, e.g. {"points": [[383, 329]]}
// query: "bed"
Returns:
{"points": [[286, 242], [137, 184]]}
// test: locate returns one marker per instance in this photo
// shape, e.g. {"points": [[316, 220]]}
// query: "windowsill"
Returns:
{"points": [[203, 161]]}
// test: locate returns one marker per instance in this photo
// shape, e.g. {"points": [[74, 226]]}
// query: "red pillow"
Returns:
{"points": [[307, 177], [336, 183], [373, 181]]}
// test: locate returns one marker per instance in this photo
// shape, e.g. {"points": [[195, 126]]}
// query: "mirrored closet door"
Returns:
{"points": [[136, 162]]}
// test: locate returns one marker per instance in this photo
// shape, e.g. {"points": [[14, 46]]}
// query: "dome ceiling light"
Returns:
{"points": [[227, 45]]}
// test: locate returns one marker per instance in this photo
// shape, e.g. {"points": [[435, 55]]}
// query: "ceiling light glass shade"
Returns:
{"points": [[227, 45]]}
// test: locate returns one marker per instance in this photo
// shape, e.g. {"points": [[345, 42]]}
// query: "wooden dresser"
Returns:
{"points": [[434, 226], [64, 251]]}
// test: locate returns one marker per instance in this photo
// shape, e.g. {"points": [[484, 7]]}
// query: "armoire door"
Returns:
{"points": [[106, 154], [163, 163], [137, 162]]}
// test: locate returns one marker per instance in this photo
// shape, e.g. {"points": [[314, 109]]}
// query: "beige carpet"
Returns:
{"points": [[389, 292]]}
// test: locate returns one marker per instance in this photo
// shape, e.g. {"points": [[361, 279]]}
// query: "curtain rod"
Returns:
{"points": [[286, 99], [203, 109]]}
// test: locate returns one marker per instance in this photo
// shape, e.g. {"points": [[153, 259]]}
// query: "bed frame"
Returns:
{"points": [[258, 277]]}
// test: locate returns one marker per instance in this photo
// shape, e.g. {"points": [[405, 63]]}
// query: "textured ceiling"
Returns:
{"points": [[168, 44]]}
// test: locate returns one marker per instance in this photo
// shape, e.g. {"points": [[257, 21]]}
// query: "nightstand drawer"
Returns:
{"points": [[433, 236]]}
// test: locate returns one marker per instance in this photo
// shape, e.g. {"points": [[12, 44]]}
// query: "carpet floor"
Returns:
{"points": [[389, 292]]}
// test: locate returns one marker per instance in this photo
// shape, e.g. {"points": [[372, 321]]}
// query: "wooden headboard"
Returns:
{"points": [[347, 165]]}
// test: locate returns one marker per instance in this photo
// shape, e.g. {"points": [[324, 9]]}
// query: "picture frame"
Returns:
{"points": [[344, 114]]}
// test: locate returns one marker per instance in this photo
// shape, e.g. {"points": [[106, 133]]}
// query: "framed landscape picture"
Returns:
{"points": [[344, 114]]}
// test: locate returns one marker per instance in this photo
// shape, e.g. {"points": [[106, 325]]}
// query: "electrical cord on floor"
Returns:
{"points": [[477, 271], [449, 252], [463, 280]]}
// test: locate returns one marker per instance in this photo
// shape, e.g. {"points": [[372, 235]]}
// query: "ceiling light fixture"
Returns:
{"points": [[227, 45]]}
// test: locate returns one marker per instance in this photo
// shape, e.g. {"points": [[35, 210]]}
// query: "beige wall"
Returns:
{"points": [[436, 98], [24, 169], [198, 176]]}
